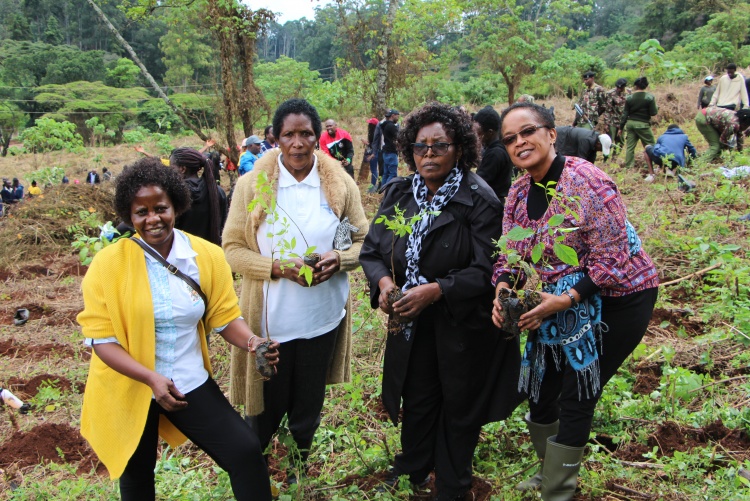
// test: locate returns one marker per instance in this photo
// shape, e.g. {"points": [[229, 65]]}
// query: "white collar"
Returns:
{"points": [[181, 248], [286, 179]]}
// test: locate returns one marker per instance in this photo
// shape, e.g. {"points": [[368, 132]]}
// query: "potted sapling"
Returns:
{"points": [[524, 294], [283, 249], [400, 226]]}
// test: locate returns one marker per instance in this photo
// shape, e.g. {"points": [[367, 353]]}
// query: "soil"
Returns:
{"points": [[28, 389], [670, 437], [679, 318], [647, 379], [480, 489], [41, 444], [10, 348]]}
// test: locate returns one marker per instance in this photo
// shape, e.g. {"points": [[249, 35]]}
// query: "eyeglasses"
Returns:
{"points": [[438, 149], [524, 133]]}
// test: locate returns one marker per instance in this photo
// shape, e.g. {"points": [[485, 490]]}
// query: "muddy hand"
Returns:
{"points": [[167, 395], [385, 285], [330, 263]]}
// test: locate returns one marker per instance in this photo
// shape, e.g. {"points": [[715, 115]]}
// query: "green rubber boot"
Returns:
{"points": [[560, 472], [539, 435]]}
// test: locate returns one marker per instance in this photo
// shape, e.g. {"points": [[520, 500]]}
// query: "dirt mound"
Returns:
{"points": [[671, 437], [41, 444], [9, 348], [647, 379], [480, 489], [29, 389], [40, 225]]}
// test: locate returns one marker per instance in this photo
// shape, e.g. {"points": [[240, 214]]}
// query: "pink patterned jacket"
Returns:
{"points": [[601, 240]]}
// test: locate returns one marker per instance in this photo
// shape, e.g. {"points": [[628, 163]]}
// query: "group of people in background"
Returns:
{"points": [[449, 368]]}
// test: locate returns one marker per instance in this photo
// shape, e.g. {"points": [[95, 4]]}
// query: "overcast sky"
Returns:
{"points": [[288, 10]]}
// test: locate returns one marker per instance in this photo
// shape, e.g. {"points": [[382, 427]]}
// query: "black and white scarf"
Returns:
{"points": [[429, 210]]}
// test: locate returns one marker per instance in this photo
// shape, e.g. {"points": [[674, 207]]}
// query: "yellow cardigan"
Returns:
{"points": [[117, 302]]}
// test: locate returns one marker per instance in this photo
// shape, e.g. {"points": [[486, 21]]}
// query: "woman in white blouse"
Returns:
{"points": [[150, 372]]}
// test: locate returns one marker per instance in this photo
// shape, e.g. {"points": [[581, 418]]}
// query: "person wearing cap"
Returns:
{"points": [[614, 104], [730, 91], [640, 106], [672, 145], [706, 92], [390, 154], [337, 143], [252, 153], [581, 143], [591, 102]]}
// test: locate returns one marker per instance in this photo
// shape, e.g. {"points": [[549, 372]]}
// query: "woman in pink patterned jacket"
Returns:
{"points": [[592, 315]]}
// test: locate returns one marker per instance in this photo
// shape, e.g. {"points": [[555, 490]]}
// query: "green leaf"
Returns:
{"points": [[556, 220], [536, 252], [519, 233], [566, 254]]}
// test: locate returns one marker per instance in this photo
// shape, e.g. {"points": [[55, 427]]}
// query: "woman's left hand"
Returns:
{"points": [[550, 305], [417, 299], [330, 263]]}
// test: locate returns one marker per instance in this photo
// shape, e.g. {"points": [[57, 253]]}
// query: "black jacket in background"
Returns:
{"points": [[576, 142], [197, 220], [496, 169], [390, 131], [478, 363]]}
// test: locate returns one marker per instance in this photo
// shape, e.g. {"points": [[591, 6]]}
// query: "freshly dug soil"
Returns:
{"points": [[40, 444], [671, 437], [29, 389], [647, 379], [9, 348]]}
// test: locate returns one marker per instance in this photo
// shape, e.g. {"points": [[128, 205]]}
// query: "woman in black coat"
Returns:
{"points": [[451, 367]]}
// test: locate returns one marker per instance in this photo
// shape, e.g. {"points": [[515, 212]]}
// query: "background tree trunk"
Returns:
{"points": [[381, 81]]}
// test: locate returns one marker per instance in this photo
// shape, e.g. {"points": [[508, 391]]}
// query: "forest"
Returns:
{"points": [[76, 95]]}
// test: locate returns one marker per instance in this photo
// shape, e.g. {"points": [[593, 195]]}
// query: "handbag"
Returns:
{"points": [[342, 239], [174, 271]]}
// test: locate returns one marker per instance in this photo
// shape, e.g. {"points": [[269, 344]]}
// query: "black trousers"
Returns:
{"points": [[627, 318], [430, 437], [211, 423], [297, 390]]}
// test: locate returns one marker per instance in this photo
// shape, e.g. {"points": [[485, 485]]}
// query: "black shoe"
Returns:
{"points": [[391, 482]]}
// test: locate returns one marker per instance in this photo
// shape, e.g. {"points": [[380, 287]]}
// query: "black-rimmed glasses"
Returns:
{"points": [[438, 149], [524, 133]]}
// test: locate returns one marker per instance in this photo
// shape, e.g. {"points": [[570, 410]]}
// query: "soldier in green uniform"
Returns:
{"points": [[614, 104], [591, 102]]}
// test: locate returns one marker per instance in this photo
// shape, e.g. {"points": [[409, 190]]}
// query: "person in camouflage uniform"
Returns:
{"points": [[614, 104], [718, 125], [591, 102]]}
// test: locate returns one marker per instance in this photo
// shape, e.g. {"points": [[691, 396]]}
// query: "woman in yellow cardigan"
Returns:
{"points": [[312, 322], [150, 370]]}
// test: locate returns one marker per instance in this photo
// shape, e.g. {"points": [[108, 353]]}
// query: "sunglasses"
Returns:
{"points": [[524, 133], [438, 149]]}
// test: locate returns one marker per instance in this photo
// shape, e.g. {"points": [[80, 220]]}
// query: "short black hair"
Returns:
{"points": [[457, 124], [265, 131], [296, 107], [149, 172], [542, 114], [641, 83], [488, 118], [731, 66], [672, 126]]}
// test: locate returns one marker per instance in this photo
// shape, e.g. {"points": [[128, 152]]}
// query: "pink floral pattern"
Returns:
{"points": [[601, 240]]}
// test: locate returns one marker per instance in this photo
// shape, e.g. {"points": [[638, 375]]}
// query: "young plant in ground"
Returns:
{"points": [[283, 249], [399, 225], [517, 301]]}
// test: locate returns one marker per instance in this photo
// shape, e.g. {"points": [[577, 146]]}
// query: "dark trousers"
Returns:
{"points": [[297, 390], [627, 318], [431, 438], [211, 423]]}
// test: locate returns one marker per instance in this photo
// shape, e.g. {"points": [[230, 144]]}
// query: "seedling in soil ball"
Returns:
{"points": [[543, 242], [284, 249], [400, 226]]}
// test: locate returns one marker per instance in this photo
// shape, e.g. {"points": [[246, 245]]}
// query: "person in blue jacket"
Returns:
{"points": [[672, 145]]}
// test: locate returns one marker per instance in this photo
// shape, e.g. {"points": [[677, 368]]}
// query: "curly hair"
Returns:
{"points": [[296, 107], [457, 124], [149, 172], [542, 114]]}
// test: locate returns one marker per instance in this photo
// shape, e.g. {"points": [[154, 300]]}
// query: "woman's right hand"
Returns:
{"points": [[166, 393], [385, 285], [497, 313], [289, 269]]}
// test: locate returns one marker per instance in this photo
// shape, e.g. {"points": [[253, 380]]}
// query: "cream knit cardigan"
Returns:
{"points": [[242, 253]]}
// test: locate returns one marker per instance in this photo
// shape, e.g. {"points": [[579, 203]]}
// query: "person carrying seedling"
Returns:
{"points": [[598, 291]]}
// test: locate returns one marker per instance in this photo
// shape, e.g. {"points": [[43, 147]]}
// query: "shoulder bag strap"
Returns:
{"points": [[174, 271]]}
